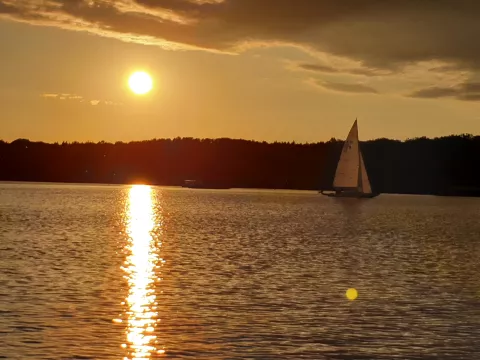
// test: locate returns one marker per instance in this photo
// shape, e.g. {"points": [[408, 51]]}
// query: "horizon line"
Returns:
{"points": [[469, 135]]}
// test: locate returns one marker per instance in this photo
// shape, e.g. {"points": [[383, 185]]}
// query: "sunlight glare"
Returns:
{"points": [[139, 266], [140, 82]]}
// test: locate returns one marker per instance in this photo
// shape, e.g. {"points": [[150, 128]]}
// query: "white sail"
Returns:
{"points": [[365, 183], [347, 174]]}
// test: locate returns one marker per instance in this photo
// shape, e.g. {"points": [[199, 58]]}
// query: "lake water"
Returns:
{"points": [[122, 272]]}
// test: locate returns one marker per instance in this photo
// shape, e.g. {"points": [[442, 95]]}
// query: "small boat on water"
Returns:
{"points": [[351, 178], [197, 184]]}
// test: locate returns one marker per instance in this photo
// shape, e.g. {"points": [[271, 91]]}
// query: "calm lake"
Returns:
{"points": [[138, 272]]}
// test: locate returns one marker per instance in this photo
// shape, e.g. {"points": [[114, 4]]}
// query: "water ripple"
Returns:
{"points": [[113, 272]]}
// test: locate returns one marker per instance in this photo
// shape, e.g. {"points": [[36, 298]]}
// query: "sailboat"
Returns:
{"points": [[351, 178]]}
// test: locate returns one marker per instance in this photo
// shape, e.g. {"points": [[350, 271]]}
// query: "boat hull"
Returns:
{"points": [[207, 187], [354, 195], [196, 184]]}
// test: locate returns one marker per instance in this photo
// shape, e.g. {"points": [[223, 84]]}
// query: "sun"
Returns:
{"points": [[140, 82]]}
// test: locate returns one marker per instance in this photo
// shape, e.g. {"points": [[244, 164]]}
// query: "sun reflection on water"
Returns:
{"points": [[142, 259]]}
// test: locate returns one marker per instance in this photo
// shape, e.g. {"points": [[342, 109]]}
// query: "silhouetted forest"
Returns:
{"points": [[444, 166]]}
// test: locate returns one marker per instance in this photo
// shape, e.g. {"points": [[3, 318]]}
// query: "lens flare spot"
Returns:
{"points": [[351, 294]]}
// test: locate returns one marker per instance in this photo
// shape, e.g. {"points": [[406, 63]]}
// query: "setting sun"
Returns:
{"points": [[140, 82]]}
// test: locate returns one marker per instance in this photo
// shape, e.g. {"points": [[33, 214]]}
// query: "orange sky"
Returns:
{"points": [[265, 70]]}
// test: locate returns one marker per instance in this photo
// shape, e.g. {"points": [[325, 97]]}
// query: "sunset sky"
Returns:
{"points": [[284, 70]]}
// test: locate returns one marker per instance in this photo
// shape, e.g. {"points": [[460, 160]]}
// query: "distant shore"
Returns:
{"points": [[456, 193], [442, 166]]}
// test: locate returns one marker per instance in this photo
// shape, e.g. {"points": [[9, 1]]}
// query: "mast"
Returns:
{"points": [[359, 163]]}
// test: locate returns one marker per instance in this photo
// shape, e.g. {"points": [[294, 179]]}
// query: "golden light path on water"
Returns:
{"points": [[140, 265]]}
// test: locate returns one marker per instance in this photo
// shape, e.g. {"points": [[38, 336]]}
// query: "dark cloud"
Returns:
{"points": [[469, 97], [471, 87], [329, 69], [378, 33], [467, 92], [446, 68], [7, 9], [346, 87], [434, 92], [318, 68]]}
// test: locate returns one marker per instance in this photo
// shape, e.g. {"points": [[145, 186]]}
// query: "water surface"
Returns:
{"points": [[114, 272]]}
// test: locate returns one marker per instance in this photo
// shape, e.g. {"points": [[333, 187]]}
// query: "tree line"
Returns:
{"points": [[443, 166]]}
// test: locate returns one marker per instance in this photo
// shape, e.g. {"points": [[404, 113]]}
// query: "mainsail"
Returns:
{"points": [[351, 173], [347, 174]]}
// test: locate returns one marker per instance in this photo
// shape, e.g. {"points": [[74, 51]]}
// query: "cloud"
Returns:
{"points": [[344, 87], [378, 34], [434, 92], [53, 96], [6, 8], [469, 91], [320, 68], [62, 96], [105, 102], [469, 97], [48, 96]]}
